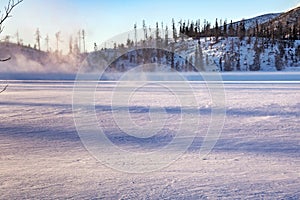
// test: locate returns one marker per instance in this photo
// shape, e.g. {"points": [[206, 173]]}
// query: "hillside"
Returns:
{"points": [[24, 59], [268, 42], [251, 23], [229, 54], [289, 19]]}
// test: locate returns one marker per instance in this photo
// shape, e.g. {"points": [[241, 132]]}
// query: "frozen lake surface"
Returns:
{"points": [[257, 155]]}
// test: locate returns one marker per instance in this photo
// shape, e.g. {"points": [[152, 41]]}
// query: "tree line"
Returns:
{"points": [[76, 44], [271, 29]]}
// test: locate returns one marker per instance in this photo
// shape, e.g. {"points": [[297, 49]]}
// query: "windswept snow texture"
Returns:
{"points": [[256, 157]]}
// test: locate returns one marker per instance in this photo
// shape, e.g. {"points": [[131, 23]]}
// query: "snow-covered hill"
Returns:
{"points": [[207, 54], [24, 59], [241, 54], [229, 54], [289, 19], [251, 23]]}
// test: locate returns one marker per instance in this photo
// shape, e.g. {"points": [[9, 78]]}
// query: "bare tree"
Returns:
{"points": [[38, 38], [83, 40], [71, 45], [5, 14], [58, 40], [47, 42], [18, 38], [79, 40]]}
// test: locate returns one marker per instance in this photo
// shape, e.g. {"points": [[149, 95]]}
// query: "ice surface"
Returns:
{"points": [[257, 155]]}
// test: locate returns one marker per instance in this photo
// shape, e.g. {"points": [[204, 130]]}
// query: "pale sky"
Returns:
{"points": [[103, 19]]}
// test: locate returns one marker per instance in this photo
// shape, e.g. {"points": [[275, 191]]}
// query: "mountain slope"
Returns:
{"points": [[25, 59], [234, 53], [251, 23], [289, 18]]}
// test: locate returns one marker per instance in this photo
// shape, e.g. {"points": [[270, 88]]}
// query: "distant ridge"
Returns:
{"points": [[290, 18], [251, 23]]}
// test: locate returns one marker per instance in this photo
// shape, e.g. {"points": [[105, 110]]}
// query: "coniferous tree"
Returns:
{"points": [[201, 64], [192, 30], [217, 33], [166, 37], [181, 30], [298, 52], [225, 29], [256, 63], [95, 47], [187, 30], [238, 62], [129, 43], [220, 64], [208, 30], [174, 31], [172, 56], [186, 64], [206, 60], [158, 43], [236, 29], [281, 49], [242, 30], [249, 39], [231, 29], [157, 36], [197, 29], [196, 58], [294, 32], [135, 34], [279, 31], [191, 63], [145, 31], [257, 52], [227, 63], [278, 62]]}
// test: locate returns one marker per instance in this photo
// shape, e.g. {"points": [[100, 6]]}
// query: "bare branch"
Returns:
{"points": [[4, 89], [6, 59], [7, 11]]}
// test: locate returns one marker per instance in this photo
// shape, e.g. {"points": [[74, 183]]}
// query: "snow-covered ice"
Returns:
{"points": [[257, 155]]}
